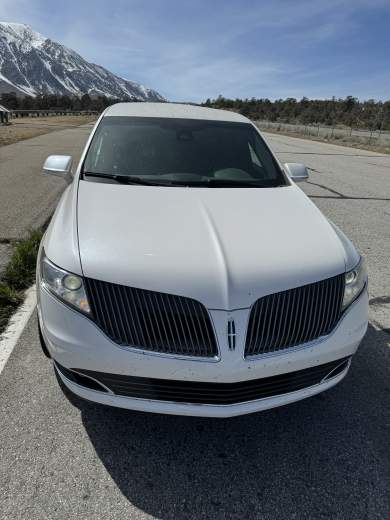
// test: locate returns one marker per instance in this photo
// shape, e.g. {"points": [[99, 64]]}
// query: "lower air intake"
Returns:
{"points": [[215, 393]]}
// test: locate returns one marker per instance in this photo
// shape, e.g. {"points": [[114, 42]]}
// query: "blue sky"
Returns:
{"points": [[191, 50]]}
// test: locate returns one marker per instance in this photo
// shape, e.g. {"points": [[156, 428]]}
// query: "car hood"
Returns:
{"points": [[225, 247]]}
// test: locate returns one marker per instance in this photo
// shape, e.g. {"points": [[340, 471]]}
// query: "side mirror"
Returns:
{"points": [[297, 172], [58, 165]]}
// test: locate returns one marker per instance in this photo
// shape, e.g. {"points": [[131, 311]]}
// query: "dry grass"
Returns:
{"points": [[351, 142], [18, 275], [25, 128]]}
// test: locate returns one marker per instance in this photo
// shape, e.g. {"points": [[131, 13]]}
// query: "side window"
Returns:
{"points": [[254, 157], [263, 162]]}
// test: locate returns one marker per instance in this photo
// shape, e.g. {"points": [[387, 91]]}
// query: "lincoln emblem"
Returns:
{"points": [[231, 334]]}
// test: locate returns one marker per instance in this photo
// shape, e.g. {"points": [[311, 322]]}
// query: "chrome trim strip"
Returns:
{"points": [[329, 376], [82, 375]]}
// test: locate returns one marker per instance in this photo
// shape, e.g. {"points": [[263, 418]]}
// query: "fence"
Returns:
{"points": [[51, 112], [330, 133]]}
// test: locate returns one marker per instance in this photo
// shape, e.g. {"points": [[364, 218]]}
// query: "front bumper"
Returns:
{"points": [[74, 341]]}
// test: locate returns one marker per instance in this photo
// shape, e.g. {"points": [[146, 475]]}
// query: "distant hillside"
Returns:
{"points": [[31, 64]]}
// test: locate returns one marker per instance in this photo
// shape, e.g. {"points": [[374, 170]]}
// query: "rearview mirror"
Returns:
{"points": [[58, 165], [297, 172]]}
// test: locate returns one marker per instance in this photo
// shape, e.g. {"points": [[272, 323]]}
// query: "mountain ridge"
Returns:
{"points": [[31, 64]]}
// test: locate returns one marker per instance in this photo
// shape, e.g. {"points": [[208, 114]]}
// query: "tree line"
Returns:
{"points": [[349, 111], [60, 103]]}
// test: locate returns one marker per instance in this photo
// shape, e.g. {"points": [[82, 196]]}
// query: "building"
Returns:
{"points": [[4, 114]]}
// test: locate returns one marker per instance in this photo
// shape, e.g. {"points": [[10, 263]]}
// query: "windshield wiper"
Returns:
{"points": [[204, 183], [129, 179], [235, 183]]}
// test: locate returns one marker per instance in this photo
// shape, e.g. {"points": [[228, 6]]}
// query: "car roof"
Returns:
{"points": [[173, 110]]}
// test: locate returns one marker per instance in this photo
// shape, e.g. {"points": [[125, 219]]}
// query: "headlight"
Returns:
{"points": [[355, 281], [66, 286]]}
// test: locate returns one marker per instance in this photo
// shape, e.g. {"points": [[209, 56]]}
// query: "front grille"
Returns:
{"points": [[214, 393], [151, 320], [289, 318]]}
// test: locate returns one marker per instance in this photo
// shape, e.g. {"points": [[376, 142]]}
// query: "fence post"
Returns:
{"points": [[380, 131]]}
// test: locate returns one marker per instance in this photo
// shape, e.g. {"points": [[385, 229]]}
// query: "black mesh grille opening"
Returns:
{"points": [[214, 393], [151, 320], [289, 318]]}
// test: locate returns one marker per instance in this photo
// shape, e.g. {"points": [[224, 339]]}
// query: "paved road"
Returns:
{"points": [[27, 198], [325, 457]]}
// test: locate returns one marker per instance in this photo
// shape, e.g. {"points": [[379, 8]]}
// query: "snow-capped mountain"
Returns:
{"points": [[32, 64]]}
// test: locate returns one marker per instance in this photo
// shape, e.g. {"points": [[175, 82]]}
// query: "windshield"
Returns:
{"points": [[181, 152]]}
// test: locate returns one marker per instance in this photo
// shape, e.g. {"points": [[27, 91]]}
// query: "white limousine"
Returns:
{"points": [[185, 272]]}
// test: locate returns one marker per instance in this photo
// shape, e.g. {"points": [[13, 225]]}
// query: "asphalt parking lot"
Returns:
{"points": [[324, 457]]}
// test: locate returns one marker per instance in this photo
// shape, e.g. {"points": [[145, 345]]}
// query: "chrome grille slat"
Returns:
{"points": [[324, 301], [139, 313], [269, 323], [158, 307], [152, 321], [148, 320], [168, 322], [205, 328], [341, 293], [188, 302], [297, 316], [331, 295], [121, 317], [335, 310], [313, 311], [277, 318], [320, 314], [305, 314], [126, 313], [262, 311], [133, 315], [290, 318], [102, 305], [200, 328], [279, 337], [105, 304], [176, 334], [283, 323]]}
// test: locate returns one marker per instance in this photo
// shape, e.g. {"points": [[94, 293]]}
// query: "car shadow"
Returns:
{"points": [[324, 457]]}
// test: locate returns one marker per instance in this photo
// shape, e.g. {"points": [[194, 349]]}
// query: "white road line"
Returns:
{"points": [[19, 320]]}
